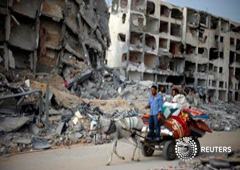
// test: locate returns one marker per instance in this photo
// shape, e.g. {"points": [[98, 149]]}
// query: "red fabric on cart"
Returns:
{"points": [[175, 127], [183, 122], [194, 111]]}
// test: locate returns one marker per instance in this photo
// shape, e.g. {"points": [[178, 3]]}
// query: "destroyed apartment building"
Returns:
{"points": [[167, 44], [48, 48], [42, 34]]}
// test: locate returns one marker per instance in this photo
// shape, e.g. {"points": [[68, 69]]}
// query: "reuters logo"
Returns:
{"points": [[185, 148]]}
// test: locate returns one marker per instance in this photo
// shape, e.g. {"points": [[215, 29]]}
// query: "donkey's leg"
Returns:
{"points": [[115, 150], [136, 145], [139, 148], [110, 158], [111, 153]]}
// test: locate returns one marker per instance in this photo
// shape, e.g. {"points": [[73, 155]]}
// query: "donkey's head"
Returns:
{"points": [[95, 124]]}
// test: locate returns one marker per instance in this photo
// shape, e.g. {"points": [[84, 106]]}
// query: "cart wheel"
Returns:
{"points": [[169, 150], [198, 146], [147, 151]]}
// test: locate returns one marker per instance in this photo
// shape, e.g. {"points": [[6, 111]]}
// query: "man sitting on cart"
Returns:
{"points": [[155, 104]]}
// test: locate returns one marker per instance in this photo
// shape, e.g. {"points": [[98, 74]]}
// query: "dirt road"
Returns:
{"points": [[95, 157]]}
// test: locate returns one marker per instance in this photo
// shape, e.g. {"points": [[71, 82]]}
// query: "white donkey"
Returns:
{"points": [[118, 129]]}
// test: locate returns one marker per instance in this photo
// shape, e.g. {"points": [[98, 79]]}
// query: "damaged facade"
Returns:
{"points": [[42, 34], [48, 48], [157, 41]]}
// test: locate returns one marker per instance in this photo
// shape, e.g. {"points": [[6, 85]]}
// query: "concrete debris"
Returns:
{"points": [[92, 84], [59, 128], [223, 161], [25, 141], [224, 116], [9, 124], [63, 124], [40, 143], [33, 128], [66, 122], [135, 91]]}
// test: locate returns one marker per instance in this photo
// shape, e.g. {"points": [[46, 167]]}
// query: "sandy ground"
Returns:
{"points": [[95, 157]]}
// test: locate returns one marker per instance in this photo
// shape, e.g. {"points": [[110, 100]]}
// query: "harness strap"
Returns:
{"points": [[133, 123], [112, 128], [130, 124]]}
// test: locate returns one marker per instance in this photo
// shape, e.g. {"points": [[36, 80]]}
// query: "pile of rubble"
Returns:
{"points": [[27, 122], [92, 84], [224, 116], [34, 119], [37, 116], [223, 161], [105, 83]]}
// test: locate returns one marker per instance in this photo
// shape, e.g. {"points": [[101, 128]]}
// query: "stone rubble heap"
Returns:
{"points": [[222, 161], [224, 116]]}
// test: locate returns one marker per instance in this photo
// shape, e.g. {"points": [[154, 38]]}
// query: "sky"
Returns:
{"points": [[224, 8]]}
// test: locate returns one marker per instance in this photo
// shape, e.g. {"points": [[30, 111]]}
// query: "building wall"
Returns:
{"points": [[40, 35], [172, 45]]}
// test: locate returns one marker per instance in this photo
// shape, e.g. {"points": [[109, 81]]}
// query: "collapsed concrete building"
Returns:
{"points": [[41, 35], [167, 44]]}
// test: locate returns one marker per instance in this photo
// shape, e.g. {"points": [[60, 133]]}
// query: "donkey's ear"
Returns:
{"points": [[90, 116]]}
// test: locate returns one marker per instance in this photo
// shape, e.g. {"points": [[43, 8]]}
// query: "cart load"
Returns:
{"points": [[176, 124]]}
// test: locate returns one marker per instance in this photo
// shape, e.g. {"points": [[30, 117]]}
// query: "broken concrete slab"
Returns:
{"points": [[8, 111], [52, 10], [146, 83], [80, 79], [73, 46], [34, 129], [47, 61], [28, 8], [78, 135], [78, 115], [55, 118], [99, 37], [85, 76], [38, 143], [11, 59], [9, 124], [77, 127], [52, 34], [92, 43], [25, 141], [63, 98], [71, 16], [89, 16], [23, 36], [95, 94], [59, 128], [103, 17]]}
